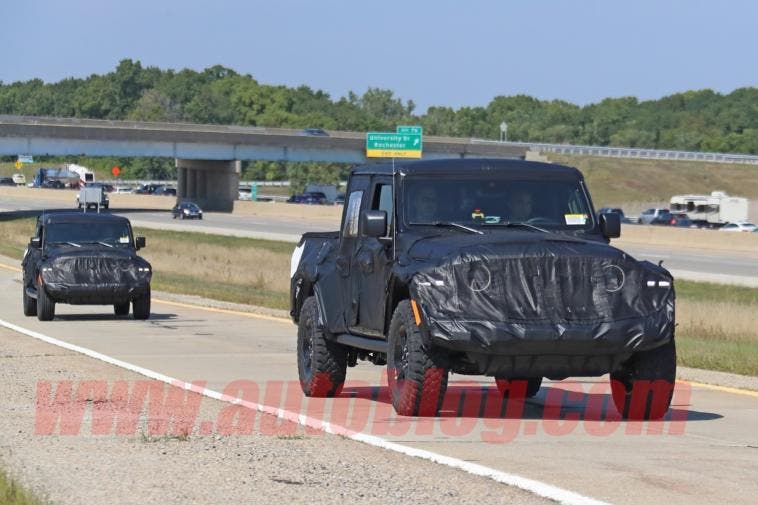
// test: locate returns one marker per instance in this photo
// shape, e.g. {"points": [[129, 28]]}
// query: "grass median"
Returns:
{"points": [[12, 494], [716, 323]]}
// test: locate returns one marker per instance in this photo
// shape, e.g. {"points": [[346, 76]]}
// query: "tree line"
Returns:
{"points": [[701, 120]]}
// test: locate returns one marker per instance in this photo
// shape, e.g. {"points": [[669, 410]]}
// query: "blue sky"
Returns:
{"points": [[441, 52]]}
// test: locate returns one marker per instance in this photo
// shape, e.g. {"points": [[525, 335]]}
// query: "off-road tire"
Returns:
{"points": [[416, 371], [121, 309], [45, 306], [505, 385], [30, 304], [141, 306], [631, 385], [321, 363]]}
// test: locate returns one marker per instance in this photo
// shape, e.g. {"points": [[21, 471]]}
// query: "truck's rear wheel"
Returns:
{"points": [[416, 371], [121, 309], [512, 386], [141, 306], [642, 389], [45, 306], [30, 304], [321, 363]]}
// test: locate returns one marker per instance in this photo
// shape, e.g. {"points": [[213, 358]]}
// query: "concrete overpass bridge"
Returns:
{"points": [[208, 156]]}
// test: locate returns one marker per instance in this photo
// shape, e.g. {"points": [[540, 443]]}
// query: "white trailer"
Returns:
{"points": [[716, 208]]}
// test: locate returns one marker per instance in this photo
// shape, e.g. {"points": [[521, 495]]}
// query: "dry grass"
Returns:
{"points": [[627, 180], [716, 329], [12, 494]]}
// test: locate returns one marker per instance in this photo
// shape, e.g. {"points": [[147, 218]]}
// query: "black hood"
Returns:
{"points": [[508, 243]]}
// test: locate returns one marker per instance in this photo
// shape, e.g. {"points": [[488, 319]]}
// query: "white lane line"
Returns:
{"points": [[533, 486]]}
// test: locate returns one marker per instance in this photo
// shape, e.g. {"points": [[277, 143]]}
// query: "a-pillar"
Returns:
{"points": [[212, 184]]}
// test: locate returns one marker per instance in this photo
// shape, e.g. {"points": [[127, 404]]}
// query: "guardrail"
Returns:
{"points": [[629, 152]]}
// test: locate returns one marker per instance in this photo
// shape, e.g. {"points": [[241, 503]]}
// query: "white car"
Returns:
{"points": [[19, 179], [123, 189], [739, 227]]}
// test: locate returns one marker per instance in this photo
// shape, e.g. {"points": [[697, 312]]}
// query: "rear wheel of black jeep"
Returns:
{"points": [[321, 363], [141, 306], [30, 304], [121, 309], [642, 389], [45, 306], [525, 388], [416, 371]]}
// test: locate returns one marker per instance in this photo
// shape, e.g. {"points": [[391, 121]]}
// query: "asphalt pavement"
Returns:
{"points": [[568, 436]]}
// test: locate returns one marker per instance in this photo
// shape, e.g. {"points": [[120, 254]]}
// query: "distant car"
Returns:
{"points": [[244, 194], [187, 210], [7, 181], [315, 198], [148, 189], [746, 227], [164, 191], [52, 184], [19, 179], [315, 132], [649, 215], [615, 210], [123, 189], [674, 219], [340, 199]]}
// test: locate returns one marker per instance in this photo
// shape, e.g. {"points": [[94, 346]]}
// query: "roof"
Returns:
{"points": [[81, 217], [467, 164]]}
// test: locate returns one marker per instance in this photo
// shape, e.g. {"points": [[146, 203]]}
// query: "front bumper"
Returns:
{"points": [[95, 294]]}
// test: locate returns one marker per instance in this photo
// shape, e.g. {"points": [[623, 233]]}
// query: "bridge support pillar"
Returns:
{"points": [[212, 184]]}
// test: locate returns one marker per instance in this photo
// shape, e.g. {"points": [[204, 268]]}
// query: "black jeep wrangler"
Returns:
{"points": [[85, 259], [480, 267]]}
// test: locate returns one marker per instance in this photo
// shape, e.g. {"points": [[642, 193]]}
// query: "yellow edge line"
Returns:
{"points": [[723, 389], [224, 311], [8, 267], [252, 315]]}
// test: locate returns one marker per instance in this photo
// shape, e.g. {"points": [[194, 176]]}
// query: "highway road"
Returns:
{"points": [[568, 436], [690, 263]]}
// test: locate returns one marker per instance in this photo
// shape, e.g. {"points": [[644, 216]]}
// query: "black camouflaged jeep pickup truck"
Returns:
{"points": [[480, 267], [85, 259]]}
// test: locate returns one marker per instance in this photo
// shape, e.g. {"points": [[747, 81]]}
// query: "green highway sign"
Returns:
{"points": [[410, 130], [393, 145]]}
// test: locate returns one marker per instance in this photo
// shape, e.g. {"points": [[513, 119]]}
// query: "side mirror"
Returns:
{"points": [[139, 242], [35, 242], [610, 225], [375, 223]]}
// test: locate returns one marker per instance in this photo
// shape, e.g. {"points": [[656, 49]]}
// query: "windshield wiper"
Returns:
{"points": [[519, 224], [457, 225], [106, 244], [74, 244]]}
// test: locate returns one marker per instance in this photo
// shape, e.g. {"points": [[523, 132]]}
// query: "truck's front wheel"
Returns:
{"points": [[321, 363], [642, 389], [416, 371], [45, 306], [141, 306], [30, 304]]}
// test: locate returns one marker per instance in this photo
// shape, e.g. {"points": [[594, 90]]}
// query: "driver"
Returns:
{"points": [[426, 205], [521, 205]]}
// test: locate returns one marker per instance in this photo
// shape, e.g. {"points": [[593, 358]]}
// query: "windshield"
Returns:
{"points": [[114, 234], [556, 204]]}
